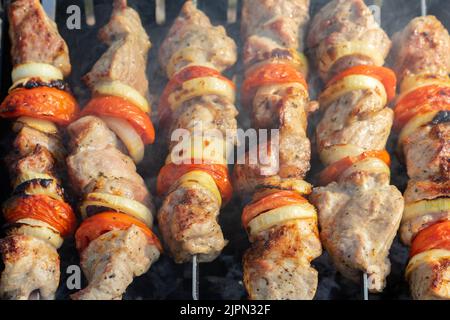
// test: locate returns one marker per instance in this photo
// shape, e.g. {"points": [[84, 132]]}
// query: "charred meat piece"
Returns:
{"points": [[112, 261], [35, 36]]}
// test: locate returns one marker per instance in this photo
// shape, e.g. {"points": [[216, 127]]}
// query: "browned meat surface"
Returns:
{"points": [[422, 48], [278, 265], [92, 143], [90, 134], [431, 280], [188, 223], [192, 29], [359, 218], [206, 113], [341, 22], [358, 118], [38, 161], [427, 152], [418, 190], [30, 265], [112, 261], [126, 58], [35, 37], [269, 25]]}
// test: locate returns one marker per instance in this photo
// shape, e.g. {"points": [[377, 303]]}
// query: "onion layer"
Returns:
{"points": [[44, 126], [118, 89], [425, 207], [425, 257], [129, 137], [332, 154], [202, 178], [119, 204], [41, 230]]}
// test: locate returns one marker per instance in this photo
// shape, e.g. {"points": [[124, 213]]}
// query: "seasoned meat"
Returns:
{"points": [[34, 37], [28, 139], [88, 166], [422, 48], [111, 261], [411, 227], [418, 190], [341, 22], [30, 264], [126, 58], [269, 25], [358, 118], [278, 265], [427, 152], [188, 223], [206, 113], [359, 217], [192, 29], [39, 161], [431, 280], [90, 134]]}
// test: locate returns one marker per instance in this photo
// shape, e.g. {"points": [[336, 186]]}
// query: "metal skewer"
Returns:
{"points": [[423, 6], [365, 288], [195, 278], [89, 12]]}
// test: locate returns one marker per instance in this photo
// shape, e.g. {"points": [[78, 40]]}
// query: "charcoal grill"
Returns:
{"points": [[221, 279]]}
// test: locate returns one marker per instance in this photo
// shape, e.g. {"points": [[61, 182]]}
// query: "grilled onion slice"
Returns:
{"points": [[119, 204], [118, 89], [36, 70], [289, 184], [40, 186], [281, 215], [332, 154], [39, 229], [349, 84], [44, 126], [414, 82], [414, 124], [28, 175], [129, 137], [369, 165], [425, 257], [186, 57], [201, 87], [344, 49], [202, 178], [419, 208]]}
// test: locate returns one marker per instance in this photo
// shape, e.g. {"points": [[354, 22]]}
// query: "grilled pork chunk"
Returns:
{"points": [[359, 218], [34, 36], [271, 25], [343, 24], [209, 44], [112, 261], [126, 58]]}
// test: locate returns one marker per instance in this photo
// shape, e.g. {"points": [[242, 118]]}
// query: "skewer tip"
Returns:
{"points": [[195, 278]]}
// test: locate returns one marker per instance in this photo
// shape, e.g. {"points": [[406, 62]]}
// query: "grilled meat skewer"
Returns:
{"points": [[282, 225], [38, 215], [359, 211], [115, 240], [198, 102], [422, 64]]}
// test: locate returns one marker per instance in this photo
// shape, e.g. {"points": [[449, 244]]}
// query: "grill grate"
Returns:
{"points": [[221, 279]]}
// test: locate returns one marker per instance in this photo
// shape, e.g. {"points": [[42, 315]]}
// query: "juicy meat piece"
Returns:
{"points": [[268, 25], [343, 21], [422, 48], [206, 113], [359, 218], [35, 38], [358, 118], [126, 58], [431, 280], [39, 161], [28, 139], [30, 264], [111, 261], [88, 166], [278, 265], [188, 223], [193, 29], [427, 152], [90, 134], [418, 190]]}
